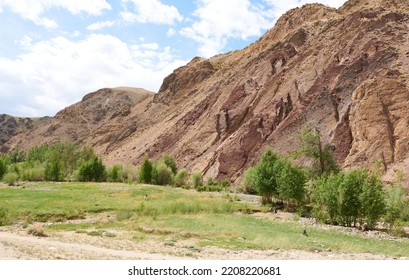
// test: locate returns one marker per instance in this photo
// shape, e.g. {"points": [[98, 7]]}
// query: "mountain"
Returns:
{"points": [[11, 126], [342, 71]]}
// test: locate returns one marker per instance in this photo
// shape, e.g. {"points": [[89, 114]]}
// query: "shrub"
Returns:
{"points": [[4, 217], [164, 174], [250, 181], [181, 178], [170, 162], [10, 178], [130, 173], [197, 179], [34, 174], [115, 173], [145, 172]]}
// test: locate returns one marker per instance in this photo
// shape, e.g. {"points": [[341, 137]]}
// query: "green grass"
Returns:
{"points": [[174, 214]]}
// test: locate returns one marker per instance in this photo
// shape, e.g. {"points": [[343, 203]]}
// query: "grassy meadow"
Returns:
{"points": [[171, 215]]}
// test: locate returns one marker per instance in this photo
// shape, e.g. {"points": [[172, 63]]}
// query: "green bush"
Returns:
{"points": [[115, 173], [197, 179], [4, 217], [130, 173], [34, 174], [250, 181], [181, 178], [170, 162], [10, 178], [394, 205], [164, 174]]}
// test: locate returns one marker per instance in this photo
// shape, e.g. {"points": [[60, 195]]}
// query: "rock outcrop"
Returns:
{"points": [[344, 71]]}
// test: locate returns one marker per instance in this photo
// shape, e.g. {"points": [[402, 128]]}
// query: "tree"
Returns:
{"points": [[372, 199], [3, 166], [290, 182], [350, 192], [116, 173], [266, 179], [92, 170], [145, 173], [53, 170], [312, 147]]}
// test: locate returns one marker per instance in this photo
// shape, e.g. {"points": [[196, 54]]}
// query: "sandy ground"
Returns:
{"points": [[16, 243]]}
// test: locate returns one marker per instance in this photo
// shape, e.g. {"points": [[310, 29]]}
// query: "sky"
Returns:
{"points": [[53, 52]]}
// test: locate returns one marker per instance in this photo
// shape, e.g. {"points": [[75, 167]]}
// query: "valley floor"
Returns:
{"points": [[17, 244]]}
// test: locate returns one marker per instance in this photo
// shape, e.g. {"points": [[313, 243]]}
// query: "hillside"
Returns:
{"points": [[343, 71], [11, 126]]}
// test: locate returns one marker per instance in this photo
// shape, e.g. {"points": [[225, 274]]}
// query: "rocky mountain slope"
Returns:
{"points": [[11, 126], [343, 71]]}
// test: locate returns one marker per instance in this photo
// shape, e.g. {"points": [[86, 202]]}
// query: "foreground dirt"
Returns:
{"points": [[16, 243]]}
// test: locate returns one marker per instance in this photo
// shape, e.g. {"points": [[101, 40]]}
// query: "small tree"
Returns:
{"points": [[266, 178], [290, 182], [3, 166], [372, 200], [116, 173], [181, 178], [394, 205], [350, 192], [197, 179], [312, 147], [250, 180], [92, 170], [53, 170], [145, 173]]}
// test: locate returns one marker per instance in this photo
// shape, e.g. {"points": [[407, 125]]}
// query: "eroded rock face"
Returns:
{"points": [[344, 72]]}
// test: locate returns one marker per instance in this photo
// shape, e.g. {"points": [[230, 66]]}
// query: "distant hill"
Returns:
{"points": [[11, 126], [343, 71]]}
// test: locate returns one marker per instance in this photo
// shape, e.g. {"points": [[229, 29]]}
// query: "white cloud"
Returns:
{"points": [[171, 32], [101, 25], [34, 10], [56, 73], [152, 11], [218, 21], [278, 7]]}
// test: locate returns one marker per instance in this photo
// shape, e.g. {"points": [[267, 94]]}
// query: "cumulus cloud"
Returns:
{"points": [[55, 73], [218, 21], [101, 25], [152, 11], [34, 10]]}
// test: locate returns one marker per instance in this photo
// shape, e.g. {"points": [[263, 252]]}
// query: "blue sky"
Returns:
{"points": [[53, 52]]}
